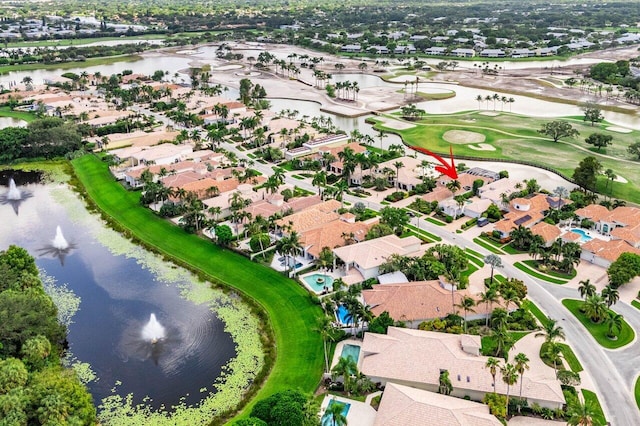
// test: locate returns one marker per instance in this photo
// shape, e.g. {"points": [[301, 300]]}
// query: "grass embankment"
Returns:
{"points": [[299, 359], [570, 358], [599, 331], [637, 392], [74, 64], [635, 304], [83, 41], [514, 137]]}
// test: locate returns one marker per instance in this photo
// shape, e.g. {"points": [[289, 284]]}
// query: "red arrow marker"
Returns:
{"points": [[446, 168]]}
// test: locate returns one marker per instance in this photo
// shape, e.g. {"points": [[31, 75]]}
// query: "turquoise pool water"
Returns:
{"points": [[343, 315], [318, 282], [583, 235], [352, 351], [326, 419]]}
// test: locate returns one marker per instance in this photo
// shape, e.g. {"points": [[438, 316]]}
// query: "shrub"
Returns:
{"points": [[448, 218], [396, 196], [497, 404]]}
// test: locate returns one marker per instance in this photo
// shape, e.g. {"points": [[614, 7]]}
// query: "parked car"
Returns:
{"points": [[483, 221]]}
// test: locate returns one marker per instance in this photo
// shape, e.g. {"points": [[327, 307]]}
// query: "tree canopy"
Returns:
{"points": [[586, 173], [558, 129]]}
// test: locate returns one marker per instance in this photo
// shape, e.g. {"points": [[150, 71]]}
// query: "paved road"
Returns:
{"points": [[613, 372]]}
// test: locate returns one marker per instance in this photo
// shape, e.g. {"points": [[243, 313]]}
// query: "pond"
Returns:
{"points": [[120, 286], [11, 122]]}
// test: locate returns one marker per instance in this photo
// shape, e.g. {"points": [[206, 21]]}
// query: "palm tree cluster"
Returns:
{"points": [[510, 373], [347, 90], [495, 98], [597, 306], [562, 256], [551, 350]]}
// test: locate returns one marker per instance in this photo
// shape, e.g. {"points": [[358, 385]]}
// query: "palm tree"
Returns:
{"points": [[522, 364], [346, 367], [479, 98], [445, 387], [398, 165], [334, 413], [582, 413], [595, 308], [466, 304], [453, 186], [551, 331], [613, 321], [586, 289], [328, 333], [319, 180], [553, 351], [494, 261], [381, 135], [489, 297], [492, 365], [611, 295], [502, 339], [509, 377]]}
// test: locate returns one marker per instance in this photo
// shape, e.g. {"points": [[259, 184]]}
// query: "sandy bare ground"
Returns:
{"points": [[396, 124], [619, 129], [463, 137]]}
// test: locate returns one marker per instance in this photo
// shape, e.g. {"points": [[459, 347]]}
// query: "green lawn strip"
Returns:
{"points": [[533, 264], [487, 245], [599, 331], [524, 268], [570, 358], [427, 234], [6, 111], [593, 398], [91, 62], [474, 253], [509, 249], [292, 314], [637, 392], [635, 304], [531, 307], [472, 259], [434, 221], [471, 268]]}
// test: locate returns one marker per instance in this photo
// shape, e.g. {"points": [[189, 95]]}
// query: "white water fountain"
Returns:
{"points": [[14, 193], [59, 242], [153, 331]]}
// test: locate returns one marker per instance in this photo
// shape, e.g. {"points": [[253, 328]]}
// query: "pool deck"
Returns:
{"points": [[360, 413]]}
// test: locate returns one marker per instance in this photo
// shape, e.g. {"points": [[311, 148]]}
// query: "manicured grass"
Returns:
{"points": [[635, 304], [291, 312], [534, 265], [91, 62], [471, 268], [487, 245], [434, 221], [570, 357], [472, 259], [489, 344], [536, 274], [509, 249], [531, 307], [599, 331], [590, 396], [636, 391], [432, 238], [6, 111]]}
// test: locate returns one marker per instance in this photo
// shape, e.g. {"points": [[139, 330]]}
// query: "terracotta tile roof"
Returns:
{"points": [[403, 405], [629, 234], [439, 193], [310, 218], [372, 253], [416, 301], [571, 236], [593, 212], [627, 216], [608, 250], [399, 356], [203, 187], [548, 232], [332, 235]]}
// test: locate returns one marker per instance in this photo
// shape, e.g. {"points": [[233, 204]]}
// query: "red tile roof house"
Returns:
{"points": [[621, 224], [415, 358], [526, 212]]}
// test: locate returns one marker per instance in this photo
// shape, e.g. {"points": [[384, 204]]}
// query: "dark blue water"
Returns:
{"points": [[117, 297]]}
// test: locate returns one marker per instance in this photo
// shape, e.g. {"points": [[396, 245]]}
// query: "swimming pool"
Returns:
{"points": [[327, 420], [318, 282], [584, 237], [343, 315], [352, 351]]}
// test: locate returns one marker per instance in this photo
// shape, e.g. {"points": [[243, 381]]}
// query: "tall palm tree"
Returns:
{"points": [[613, 321], [335, 415], [509, 377], [611, 295], [466, 304], [346, 367], [453, 186], [328, 333], [552, 351], [381, 135], [488, 297], [595, 308], [586, 289], [551, 331], [319, 180], [522, 364], [398, 165], [492, 365], [494, 261]]}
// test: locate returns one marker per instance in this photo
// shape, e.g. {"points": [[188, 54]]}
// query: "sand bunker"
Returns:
{"points": [[482, 147], [398, 125], [619, 129], [489, 113], [463, 136], [621, 179]]}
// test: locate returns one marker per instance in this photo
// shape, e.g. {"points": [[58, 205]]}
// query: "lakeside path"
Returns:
{"points": [[291, 312]]}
